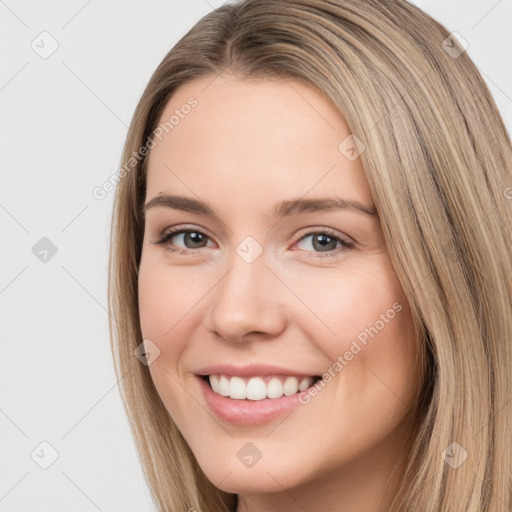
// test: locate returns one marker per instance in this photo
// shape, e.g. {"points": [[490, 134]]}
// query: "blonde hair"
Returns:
{"points": [[439, 163]]}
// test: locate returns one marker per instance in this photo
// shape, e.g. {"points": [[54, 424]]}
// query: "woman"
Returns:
{"points": [[310, 266]]}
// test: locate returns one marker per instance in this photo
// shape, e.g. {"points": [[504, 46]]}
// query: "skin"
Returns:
{"points": [[247, 145]]}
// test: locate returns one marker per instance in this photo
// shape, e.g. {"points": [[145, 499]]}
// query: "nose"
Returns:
{"points": [[247, 302]]}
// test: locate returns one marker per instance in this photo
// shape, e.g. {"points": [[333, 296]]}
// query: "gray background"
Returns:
{"points": [[63, 122]]}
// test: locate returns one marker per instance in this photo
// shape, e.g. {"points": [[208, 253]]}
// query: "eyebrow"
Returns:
{"points": [[282, 209]]}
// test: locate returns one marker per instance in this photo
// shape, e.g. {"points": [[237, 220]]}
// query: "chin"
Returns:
{"points": [[265, 476]]}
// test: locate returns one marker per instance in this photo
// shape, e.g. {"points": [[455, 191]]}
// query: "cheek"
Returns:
{"points": [[169, 299], [166, 295], [364, 324], [163, 303], [359, 302]]}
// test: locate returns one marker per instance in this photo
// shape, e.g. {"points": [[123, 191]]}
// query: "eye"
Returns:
{"points": [[326, 241], [191, 238]]}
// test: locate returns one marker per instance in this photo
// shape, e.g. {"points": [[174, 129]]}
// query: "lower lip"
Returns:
{"points": [[247, 412]]}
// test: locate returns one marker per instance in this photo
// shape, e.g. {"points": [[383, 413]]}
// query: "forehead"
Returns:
{"points": [[252, 136]]}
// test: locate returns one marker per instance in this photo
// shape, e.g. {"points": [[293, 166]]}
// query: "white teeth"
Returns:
{"points": [[291, 385], [274, 388], [255, 388], [237, 388], [304, 384], [223, 386]]}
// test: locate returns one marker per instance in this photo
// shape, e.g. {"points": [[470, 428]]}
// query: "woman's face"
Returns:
{"points": [[277, 268]]}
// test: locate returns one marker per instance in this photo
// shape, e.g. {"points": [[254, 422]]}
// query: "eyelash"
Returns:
{"points": [[165, 236]]}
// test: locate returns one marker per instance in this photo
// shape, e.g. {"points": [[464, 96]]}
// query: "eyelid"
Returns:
{"points": [[312, 230]]}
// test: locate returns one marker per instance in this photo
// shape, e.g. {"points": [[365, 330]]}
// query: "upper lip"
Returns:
{"points": [[249, 370]]}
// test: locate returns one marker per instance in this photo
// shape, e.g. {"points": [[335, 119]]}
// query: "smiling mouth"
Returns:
{"points": [[258, 387]]}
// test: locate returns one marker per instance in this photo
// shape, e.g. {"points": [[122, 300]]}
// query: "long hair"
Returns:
{"points": [[438, 160]]}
